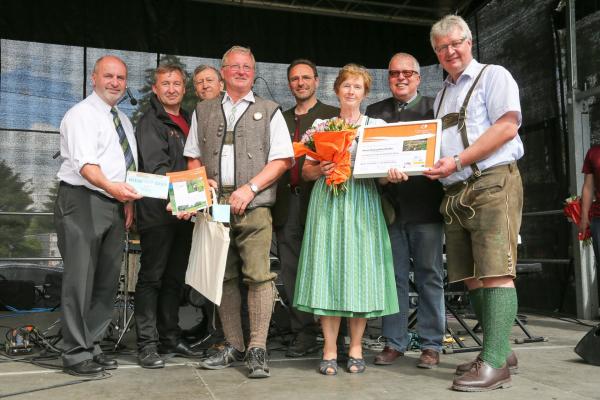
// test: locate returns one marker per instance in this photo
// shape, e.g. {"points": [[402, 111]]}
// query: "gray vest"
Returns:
{"points": [[251, 140]]}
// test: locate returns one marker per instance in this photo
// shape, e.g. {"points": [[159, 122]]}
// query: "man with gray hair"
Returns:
{"points": [[417, 231], [481, 114], [243, 142], [93, 208], [208, 82]]}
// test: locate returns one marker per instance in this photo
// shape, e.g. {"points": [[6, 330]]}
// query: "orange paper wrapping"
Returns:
{"points": [[330, 146]]}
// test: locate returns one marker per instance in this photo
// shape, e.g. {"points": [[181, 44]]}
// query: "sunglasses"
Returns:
{"points": [[407, 73]]}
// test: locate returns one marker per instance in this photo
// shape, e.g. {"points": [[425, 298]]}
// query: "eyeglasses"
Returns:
{"points": [[407, 73], [455, 45], [238, 67]]}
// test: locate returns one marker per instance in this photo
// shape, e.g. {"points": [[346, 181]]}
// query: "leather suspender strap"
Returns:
{"points": [[460, 117]]}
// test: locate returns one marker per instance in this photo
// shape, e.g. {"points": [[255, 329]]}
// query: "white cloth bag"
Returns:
{"points": [[208, 256]]}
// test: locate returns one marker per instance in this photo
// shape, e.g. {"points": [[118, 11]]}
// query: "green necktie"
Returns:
{"points": [[129, 161]]}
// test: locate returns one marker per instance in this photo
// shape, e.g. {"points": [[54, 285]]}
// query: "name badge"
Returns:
{"points": [[221, 213]]}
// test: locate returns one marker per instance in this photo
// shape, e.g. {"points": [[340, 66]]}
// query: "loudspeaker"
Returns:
{"points": [[588, 348]]}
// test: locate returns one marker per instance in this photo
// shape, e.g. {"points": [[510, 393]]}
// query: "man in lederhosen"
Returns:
{"points": [[480, 109]]}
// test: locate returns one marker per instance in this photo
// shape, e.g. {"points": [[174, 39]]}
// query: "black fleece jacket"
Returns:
{"points": [[160, 144]]}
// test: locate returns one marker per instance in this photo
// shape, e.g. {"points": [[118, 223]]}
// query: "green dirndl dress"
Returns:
{"points": [[345, 267]]}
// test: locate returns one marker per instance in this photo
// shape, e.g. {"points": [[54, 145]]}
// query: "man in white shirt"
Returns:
{"points": [[481, 114], [93, 209], [243, 142]]}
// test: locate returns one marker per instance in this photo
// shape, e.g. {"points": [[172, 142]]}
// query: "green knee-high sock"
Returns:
{"points": [[476, 299], [499, 311]]}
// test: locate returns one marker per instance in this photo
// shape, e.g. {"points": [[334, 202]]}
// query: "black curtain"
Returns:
{"points": [[186, 27]]}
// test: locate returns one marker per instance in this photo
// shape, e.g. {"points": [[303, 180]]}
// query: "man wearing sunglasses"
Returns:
{"points": [[416, 232]]}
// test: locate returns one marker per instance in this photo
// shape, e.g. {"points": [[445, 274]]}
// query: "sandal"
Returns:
{"points": [[327, 366], [358, 364]]}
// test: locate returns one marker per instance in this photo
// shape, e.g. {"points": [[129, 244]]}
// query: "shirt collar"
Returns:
{"points": [[99, 103], [471, 71], [249, 97], [398, 102]]}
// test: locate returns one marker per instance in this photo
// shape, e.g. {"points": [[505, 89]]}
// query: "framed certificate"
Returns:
{"points": [[412, 147]]}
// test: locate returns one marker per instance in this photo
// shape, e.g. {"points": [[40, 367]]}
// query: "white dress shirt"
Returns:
{"points": [[496, 94], [280, 142], [88, 136]]}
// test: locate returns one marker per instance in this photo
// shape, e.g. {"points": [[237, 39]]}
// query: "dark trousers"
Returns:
{"points": [[289, 243], [164, 260], [91, 230]]}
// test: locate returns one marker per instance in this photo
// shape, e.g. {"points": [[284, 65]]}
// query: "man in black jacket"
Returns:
{"points": [[165, 240], [293, 195], [416, 234]]}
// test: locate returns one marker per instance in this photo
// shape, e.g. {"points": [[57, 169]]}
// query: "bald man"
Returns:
{"points": [[93, 209]]}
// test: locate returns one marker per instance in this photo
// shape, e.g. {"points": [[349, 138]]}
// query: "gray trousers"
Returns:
{"points": [[90, 229]]}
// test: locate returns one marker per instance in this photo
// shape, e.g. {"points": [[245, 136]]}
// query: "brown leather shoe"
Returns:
{"points": [[511, 360], [482, 377], [387, 356], [429, 359]]}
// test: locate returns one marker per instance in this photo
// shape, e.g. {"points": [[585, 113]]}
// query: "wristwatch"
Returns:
{"points": [[255, 189], [458, 164]]}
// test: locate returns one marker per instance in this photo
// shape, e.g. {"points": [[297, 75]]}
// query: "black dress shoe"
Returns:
{"points": [[149, 358], [181, 349], [84, 368], [105, 362], [303, 345]]}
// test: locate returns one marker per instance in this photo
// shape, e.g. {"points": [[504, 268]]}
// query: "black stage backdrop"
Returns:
{"points": [[191, 28]]}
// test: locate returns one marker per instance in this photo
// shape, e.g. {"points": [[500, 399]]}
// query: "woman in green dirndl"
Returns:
{"points": [[346, 267]]}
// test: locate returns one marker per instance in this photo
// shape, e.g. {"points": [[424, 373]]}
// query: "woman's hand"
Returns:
{"points": [[394, 176], [313, 170], [327, 167]]}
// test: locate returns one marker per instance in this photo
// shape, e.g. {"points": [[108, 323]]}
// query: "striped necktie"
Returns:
{"points": [[129, 161]]}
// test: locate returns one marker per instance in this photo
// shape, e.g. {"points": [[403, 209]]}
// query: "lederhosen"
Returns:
{"points": [[458, 211]]}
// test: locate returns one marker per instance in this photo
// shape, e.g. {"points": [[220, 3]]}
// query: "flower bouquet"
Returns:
{"points": [[330, 141], [572, 211]]}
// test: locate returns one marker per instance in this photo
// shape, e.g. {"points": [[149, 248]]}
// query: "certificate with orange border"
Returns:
{"points": [[412, 147]]}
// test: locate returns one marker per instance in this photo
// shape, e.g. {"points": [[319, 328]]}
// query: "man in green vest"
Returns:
{"points": [[243, 142]]}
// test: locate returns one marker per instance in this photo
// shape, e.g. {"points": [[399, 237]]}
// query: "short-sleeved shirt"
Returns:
{"points": [[496, 94], [591, 165], [88, 136], [281, 145]]}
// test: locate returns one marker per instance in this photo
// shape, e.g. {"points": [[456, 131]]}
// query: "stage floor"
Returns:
{"points": [[548, 370]]}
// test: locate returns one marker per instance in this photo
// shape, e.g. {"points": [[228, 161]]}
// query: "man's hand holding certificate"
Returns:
{"points": [[149, 185], [411, 147]]}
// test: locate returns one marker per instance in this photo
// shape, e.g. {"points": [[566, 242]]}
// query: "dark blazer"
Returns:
{"points": [[417, 200], [388, 110]]}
